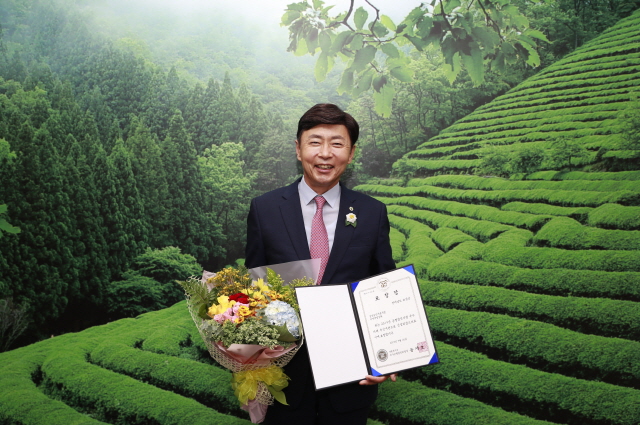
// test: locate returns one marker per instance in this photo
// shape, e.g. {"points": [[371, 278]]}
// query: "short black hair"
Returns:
{"points": [[328, 113]]}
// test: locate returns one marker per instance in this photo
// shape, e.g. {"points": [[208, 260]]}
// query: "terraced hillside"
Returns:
{"points": [[533, 286], [579, 98]]}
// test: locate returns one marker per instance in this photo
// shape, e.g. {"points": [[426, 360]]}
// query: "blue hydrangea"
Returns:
{"points": [[280, 313]]}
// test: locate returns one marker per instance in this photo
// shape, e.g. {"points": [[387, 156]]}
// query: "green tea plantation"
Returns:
{"points": [[531, 284]]}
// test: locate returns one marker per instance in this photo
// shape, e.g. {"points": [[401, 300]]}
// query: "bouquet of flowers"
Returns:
{"points": [[250, 327]]}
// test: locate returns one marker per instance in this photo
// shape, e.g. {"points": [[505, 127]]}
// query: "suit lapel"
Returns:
{"points": [[293, 221], [343, 234]]}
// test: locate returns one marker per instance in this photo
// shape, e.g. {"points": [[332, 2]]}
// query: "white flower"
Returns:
{"points": [[351, 220]]}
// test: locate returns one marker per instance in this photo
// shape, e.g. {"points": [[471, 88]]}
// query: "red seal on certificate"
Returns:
{"points": [[423, 347]]}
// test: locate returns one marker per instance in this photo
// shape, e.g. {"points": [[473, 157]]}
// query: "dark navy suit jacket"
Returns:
{"points": [[276, 234]]}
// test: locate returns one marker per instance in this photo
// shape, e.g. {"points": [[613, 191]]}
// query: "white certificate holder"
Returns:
{"points": [[331, 334], [376, 326]]}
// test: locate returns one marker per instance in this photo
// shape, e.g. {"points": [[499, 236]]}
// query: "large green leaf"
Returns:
{"points": [[364, 83], [402, 73], [387, 22], [451, 70], [417, 42], [289, 17], [533, 58], [322, 67], [378, 82], [486, 37], [363, 57], [536, 34], [449, 5], [324, 40], [3, 208], [390, 50], [346, 82], [360, 17], [378, 29], [301, 48], [300, 7], [357, 42], [312, 40], [341, 40], [474, 64], [384, 99]]}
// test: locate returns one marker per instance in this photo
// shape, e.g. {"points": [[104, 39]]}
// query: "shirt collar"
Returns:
{"points": [[332, 196]]}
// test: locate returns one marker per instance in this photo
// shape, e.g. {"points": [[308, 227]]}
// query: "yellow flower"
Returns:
{"points": [[238, 319], [244, 311], [222, 306]]}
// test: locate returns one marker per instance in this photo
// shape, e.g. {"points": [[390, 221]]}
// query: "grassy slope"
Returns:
{"points": [[578, 97], [533, 286]]}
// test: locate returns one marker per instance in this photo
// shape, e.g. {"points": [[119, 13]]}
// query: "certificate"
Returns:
{"points": [[376, 326]]}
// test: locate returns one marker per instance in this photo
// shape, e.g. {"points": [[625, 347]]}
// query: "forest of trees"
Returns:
{"points": [[104, 154]]}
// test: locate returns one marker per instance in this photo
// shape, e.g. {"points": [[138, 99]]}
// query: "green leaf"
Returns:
{"points": [[346, 82], [312, 40], [378, 82], [533, 58], [379, 30], [357, 43], [364, 83], [278, 395], [3, 208], [300, 7], [451, 70], [360, 17], [517, 18], [340, 41], [317, 4], [324, 39], [474, 64], [387, 22], [417, 42], [449, 5], [390, 50], [289, 17], [412, 18], [363, 58], [384, 99], [402, 73], [400, 28], [536, 34], [322, 67], [301, 48], [485, 37], [424, 27]]}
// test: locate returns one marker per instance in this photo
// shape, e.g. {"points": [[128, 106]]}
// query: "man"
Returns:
{"points": [[308, 219]]}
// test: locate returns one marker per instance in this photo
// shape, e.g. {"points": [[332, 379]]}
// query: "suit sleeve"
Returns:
{"points": [[383, 258], [254, 250]]}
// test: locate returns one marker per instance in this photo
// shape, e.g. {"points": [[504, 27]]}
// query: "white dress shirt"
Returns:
{"points": [[329, 212]]}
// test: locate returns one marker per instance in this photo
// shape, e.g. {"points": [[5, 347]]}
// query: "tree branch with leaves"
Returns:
{"points": [[471, 34]]}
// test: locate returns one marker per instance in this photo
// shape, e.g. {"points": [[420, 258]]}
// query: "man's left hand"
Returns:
{"points": [[375, 380]]}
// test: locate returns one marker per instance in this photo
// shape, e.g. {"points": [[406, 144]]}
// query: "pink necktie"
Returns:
{"points": [[319, 246]]}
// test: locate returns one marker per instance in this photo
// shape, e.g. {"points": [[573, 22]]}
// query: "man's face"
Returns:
{"points": [[325, 151]]}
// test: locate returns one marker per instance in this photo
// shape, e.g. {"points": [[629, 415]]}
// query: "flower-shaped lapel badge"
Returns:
{"points": [[351, 219]]}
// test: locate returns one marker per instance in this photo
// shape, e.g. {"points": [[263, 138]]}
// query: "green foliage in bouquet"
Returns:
{"points": [[199, 296], [287, 292], [253, 331]]}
